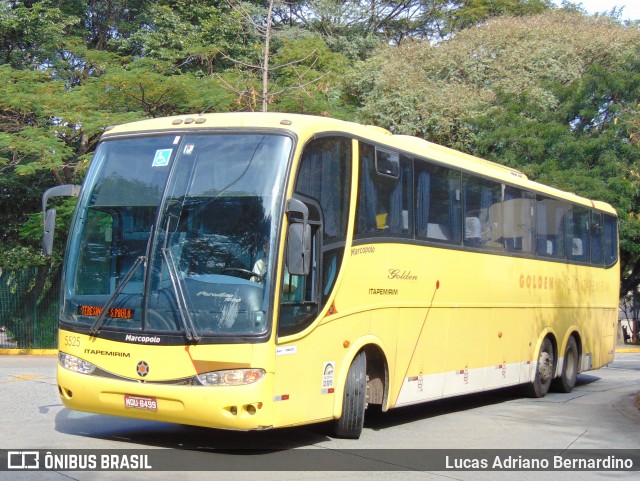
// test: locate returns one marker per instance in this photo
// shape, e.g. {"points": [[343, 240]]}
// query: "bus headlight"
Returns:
{"points": [[232, 377], [75, 364]]}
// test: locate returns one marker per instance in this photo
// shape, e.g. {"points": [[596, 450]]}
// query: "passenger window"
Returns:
{"points": [[597, 239], [482, 213], [578, 236], [385, 207], [518, 210], [388, 163], [550, 227], [610, 240], [438, 207]]}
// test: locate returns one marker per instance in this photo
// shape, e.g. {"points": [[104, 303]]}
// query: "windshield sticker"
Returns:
{"points": [[188, 149], [162, 157], [176, 141]]}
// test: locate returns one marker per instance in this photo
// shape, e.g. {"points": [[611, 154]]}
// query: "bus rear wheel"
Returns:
{"points": [[544, 371], [567, 379], [354, 400]]}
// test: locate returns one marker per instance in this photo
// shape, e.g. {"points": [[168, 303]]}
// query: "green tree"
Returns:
{"points": [[461, 14], [290, 68], [554, 95], [307, 76], [30, 32], [68, 69]]}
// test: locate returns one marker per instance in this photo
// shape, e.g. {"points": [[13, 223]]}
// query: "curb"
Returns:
{"points": [[628, 349], [28, 352]]}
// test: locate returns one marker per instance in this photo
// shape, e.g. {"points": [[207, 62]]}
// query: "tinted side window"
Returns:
{"points": [[550, 227], [519, 208], [610, 240], [438, 207], [578, 236], [385, 205], [324, 184], [482, 213], [597, 238], [325, 176]]}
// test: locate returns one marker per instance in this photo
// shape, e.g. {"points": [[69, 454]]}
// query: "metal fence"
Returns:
{"points": [[29, 302]]}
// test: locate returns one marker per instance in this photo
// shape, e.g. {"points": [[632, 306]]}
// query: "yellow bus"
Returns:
{"points": [[249, 271]]}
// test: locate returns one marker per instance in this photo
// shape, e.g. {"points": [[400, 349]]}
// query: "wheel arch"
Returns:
{"points": [[548, 333], [574, 332], [377, 372], [377, 376]]}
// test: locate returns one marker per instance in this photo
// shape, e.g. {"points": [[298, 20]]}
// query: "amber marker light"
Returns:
{"points": [[232, 377], [252, 376]]}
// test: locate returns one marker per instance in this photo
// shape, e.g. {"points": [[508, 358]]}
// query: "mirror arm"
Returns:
{"points": [[67, 190]]}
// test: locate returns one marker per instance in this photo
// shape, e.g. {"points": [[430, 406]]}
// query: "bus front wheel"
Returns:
{"points": [[567, 379], [354, 400], [544, 371]]}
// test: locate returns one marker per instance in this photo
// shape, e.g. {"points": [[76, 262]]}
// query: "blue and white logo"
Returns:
{"points": [[162, 157]]}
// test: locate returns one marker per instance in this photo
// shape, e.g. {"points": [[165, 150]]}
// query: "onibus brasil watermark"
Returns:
{"points": [[167, 459]]}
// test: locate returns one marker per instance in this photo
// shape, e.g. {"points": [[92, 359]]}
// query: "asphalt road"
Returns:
{"points": [[601, 413]]}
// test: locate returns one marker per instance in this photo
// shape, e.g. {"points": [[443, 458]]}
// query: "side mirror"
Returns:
{"points": [[49, 229], [298, 253], [299, 249], [67, 190]]}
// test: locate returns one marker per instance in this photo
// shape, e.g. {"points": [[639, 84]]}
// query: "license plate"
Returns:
{"points": [[140, 402]]}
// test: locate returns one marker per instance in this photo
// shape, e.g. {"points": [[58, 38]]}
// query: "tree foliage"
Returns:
{"points": [[554, 95]]}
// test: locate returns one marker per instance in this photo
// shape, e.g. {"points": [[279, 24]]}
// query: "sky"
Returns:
{"points": [[631, 7]]}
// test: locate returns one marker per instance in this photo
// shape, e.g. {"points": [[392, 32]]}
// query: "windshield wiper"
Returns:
{"points": [[95, 328], [181, 300]]}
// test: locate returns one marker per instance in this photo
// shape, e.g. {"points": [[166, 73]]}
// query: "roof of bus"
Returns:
{"points": [[305, 126]]}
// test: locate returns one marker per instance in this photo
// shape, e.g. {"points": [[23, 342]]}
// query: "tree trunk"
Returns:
{"points": [[265, 65]]}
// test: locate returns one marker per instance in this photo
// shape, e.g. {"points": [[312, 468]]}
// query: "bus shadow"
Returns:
{"points": [[586, 379], [377, 420], [178, 436]]}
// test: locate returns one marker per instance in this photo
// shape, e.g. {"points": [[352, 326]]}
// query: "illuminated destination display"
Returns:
{"points": [[114, 312]]}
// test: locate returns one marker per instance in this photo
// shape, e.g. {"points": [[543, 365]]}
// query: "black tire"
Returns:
{"points": [[567, 379], [354, 401], [545, 368]]}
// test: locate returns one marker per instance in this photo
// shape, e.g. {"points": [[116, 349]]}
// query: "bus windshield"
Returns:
{"points": [[172, 235]]}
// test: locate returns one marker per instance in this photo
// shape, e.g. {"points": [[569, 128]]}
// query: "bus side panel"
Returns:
{"points": [[609, 325], [309, 369], [421, 372], [303, 390], [466, 346], [505, 351]]}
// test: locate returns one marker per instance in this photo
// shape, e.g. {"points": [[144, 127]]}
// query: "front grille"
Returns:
{"points": [[186, 381]]}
